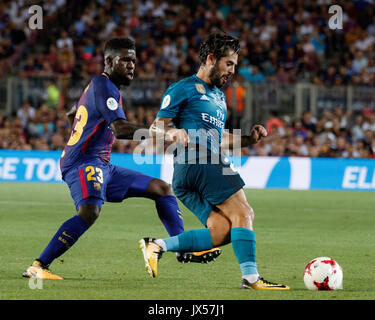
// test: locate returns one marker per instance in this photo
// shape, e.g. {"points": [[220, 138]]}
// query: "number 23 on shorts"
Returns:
{"points": [[94, 174]]}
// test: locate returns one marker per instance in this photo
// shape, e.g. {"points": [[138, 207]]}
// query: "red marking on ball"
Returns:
{"points": [[323, 285]]}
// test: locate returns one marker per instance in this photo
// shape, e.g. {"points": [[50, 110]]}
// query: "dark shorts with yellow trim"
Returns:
{"points": [[96, 182], [200, 187]]}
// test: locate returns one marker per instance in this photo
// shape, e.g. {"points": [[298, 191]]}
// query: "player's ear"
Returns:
{"points": [[210, 59], [109, 62]]}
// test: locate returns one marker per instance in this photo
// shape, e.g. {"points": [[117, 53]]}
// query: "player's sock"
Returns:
{"points": [[65, 237], [243, 243], [192, 240], [170, 215]]}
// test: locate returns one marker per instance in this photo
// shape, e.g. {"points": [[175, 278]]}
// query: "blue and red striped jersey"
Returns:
{"points": [[91, 138]]}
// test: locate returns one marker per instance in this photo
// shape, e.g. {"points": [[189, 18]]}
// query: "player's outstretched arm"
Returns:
{"points": [[160, 129], [229, 140], [123, 129]]}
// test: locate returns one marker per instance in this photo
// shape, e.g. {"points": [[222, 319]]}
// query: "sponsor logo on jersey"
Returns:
{"points": [[206, 117]]}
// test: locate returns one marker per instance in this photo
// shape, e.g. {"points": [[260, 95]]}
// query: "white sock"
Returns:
{"points": [[251, 278], [161, 244]]}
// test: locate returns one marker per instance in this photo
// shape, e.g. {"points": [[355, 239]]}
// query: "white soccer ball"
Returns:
{"points": [[323, 273]]}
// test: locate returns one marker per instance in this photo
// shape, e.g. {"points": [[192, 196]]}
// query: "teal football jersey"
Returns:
{"points": [[198, 108]]}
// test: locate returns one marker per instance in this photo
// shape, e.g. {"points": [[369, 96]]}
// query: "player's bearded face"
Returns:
{"points": [[215, 75], [222, 71]]}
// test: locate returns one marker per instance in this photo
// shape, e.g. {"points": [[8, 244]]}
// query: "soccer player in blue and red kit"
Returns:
{"points": [[97, 119]]}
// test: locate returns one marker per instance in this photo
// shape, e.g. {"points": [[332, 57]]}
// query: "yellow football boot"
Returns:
{"points": [[262, 284], [151, 255], [38, 271]]}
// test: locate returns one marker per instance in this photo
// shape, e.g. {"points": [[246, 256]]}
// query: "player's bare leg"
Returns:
{"points": [[241, 216], [171, 216], [219, 227]]}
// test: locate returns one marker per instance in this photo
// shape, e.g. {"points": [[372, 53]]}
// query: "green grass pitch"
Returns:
{"points": [[291, 227]]}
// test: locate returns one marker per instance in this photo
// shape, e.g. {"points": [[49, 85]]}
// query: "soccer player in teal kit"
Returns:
{"points": [[206, 182], [96, 120]]}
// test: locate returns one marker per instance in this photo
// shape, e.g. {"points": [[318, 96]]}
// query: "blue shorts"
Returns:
{"points": [[200, 187], [97, 182]]}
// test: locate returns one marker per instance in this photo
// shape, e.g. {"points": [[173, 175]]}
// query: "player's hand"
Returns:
{"points": [[257, 133], [177, 135]]}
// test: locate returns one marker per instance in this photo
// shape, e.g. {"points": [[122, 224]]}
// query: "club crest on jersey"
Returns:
{"points": [[200, 88], [97, 186], [112, 104]]}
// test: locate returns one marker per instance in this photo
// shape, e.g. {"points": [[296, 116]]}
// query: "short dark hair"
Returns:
{"points": [[117, 44], [218, 44]]}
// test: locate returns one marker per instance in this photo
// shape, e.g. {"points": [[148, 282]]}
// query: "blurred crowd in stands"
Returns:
{"points": [[282, 42], [333, 134]]}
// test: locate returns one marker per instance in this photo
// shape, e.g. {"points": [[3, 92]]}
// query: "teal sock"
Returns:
{"points": [[243, 243], [192, 240]]}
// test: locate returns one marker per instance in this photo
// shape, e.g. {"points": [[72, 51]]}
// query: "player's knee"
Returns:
{"points": [[89, 213], [166, 189], [161, 189], [244, 216], [251, 213]]}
